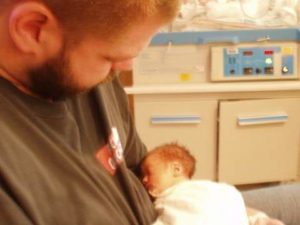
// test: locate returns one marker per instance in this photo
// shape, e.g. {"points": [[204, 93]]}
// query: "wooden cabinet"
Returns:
{"points": [[239, 138], [258, 140]]}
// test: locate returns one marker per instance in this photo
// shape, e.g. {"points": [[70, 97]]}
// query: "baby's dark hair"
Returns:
{"points": [[175, 152]]}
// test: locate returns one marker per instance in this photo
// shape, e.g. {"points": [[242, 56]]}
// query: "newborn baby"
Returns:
{"points": [[167, 171]]}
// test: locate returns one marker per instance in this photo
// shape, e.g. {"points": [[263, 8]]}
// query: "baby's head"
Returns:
{"points": [[165, 166]]}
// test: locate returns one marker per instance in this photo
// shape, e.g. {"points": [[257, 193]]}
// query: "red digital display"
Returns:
{"points": [[269, 52], [247, 53]]}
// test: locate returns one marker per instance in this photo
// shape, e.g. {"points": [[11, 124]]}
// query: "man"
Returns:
{"points": [[68, 148]]}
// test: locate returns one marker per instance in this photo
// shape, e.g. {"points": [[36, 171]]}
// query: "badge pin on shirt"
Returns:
{"points": [[115, 145], [111, 154]]}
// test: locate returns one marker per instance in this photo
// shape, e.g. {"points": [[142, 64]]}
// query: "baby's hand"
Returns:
{"points": [[268, 221], [261, 218]]}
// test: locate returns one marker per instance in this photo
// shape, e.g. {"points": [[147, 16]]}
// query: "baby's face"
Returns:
{"points": [[157, 176]]}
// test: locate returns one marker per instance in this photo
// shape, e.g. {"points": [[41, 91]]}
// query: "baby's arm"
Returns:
{"points": [[260, 218]]}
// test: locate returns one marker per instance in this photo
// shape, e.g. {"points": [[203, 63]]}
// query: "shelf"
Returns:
{"points": [[215, 87]]}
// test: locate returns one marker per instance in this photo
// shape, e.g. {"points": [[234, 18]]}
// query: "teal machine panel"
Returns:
{"points": [[255, 61]]}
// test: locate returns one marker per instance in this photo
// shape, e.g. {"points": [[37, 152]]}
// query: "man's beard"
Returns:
{"points": [[53, 80], [49, 80]]}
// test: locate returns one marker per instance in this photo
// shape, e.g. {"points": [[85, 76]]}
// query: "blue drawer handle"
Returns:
{"points": [[268, 119], [175, 119]]}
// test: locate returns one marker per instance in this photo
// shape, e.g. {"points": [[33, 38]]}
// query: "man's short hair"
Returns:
{"points": [[106, 17]]}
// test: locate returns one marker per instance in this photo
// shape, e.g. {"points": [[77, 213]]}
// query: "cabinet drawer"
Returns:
{"points": [[190, 123], [259, 140]]}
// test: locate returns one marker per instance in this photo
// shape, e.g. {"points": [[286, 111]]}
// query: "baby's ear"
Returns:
{"points": [[177, 169]]}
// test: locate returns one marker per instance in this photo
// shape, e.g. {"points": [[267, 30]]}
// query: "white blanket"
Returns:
{"points": [[201, 203]]}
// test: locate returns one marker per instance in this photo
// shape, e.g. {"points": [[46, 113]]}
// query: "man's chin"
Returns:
{"points": [[108, 78], [58, 91]]}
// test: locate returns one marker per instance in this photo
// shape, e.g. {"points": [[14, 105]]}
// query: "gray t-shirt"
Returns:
{"points": [[70, 162]]}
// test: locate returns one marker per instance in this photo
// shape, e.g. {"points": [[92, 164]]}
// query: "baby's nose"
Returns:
{"points": [[145, 180]]}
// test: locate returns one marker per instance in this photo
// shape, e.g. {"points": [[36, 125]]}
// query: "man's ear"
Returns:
{"points": [[177, 169], [34, 30]]}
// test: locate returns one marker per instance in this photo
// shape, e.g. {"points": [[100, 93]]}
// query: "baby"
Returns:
{"points": [[167, 171]]}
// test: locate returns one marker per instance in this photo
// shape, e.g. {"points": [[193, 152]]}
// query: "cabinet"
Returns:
{"points": [[239, 137], [258, 140]]}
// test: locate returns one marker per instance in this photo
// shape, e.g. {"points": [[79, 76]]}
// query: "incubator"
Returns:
{"points": [[224, 40], [197, 15]]}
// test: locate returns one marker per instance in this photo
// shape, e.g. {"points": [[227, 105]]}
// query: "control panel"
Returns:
{"points": [[254, 62]]}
